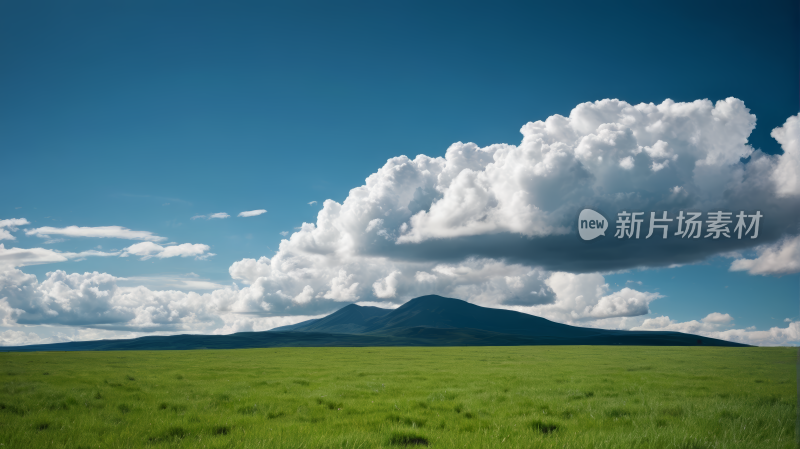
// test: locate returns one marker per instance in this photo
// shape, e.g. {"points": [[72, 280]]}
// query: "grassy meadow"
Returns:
{"points": [[457, 397]]}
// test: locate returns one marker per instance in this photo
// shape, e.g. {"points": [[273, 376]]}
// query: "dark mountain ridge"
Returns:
{"points": [[350, 319], [446, 313], [425, 321]]}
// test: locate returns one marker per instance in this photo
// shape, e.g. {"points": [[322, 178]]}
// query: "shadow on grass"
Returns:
{"points": [[331, 405], [544, 427], [172, 407], [11, 408], [408, 439], [221, 430]]}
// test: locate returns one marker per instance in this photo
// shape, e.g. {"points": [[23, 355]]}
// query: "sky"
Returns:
{"points": [[206, 167]]}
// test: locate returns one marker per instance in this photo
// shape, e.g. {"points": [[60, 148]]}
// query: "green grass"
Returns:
{"points": [[461, 397]]}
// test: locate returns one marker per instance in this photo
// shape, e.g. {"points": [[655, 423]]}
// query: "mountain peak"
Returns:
{"points": [[434, 301], [351, 318]]}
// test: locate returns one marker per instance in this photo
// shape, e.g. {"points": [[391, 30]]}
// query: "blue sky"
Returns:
{"points": [[143, 115]]}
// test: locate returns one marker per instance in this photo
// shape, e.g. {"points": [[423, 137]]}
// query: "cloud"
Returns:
{"points": [[603, 152], [149, 250], [311, 203], [238, 323], [483, 281], [584, 298], [712, 326], [387, 287], [342, 288], [20, 257], [519, 203], [24, 335], [10, 225], [117, 232], [13, 223], [101, 301], [212, 216], [95, 300], [75, 299], [780, 258], [10, 337], [717, 318], [284, 233], [787, 168], [14, 337], [496, 225], [252, 213]]}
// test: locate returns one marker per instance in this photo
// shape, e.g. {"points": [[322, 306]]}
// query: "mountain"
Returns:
{"points": [[351, 319], [439, 312], [425, 321]]}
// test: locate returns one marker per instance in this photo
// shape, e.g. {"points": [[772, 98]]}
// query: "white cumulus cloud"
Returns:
{"points": [[787, 171], [782, 257], [583, 298], [713, 326], [490, 224], [717, 318]]}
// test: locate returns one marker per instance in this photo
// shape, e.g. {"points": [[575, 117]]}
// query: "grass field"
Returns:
{"points": [[473, 397]]}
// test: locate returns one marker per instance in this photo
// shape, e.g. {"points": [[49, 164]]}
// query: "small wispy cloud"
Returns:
{"points": [[311, 203], [252, 213], [116, 232], [284, 233], [10, 224], [20, 257], [211, 216]]}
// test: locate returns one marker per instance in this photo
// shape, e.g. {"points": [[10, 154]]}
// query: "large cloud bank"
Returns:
{"points": [[493, 225], [95, 300], [490, 224]]}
